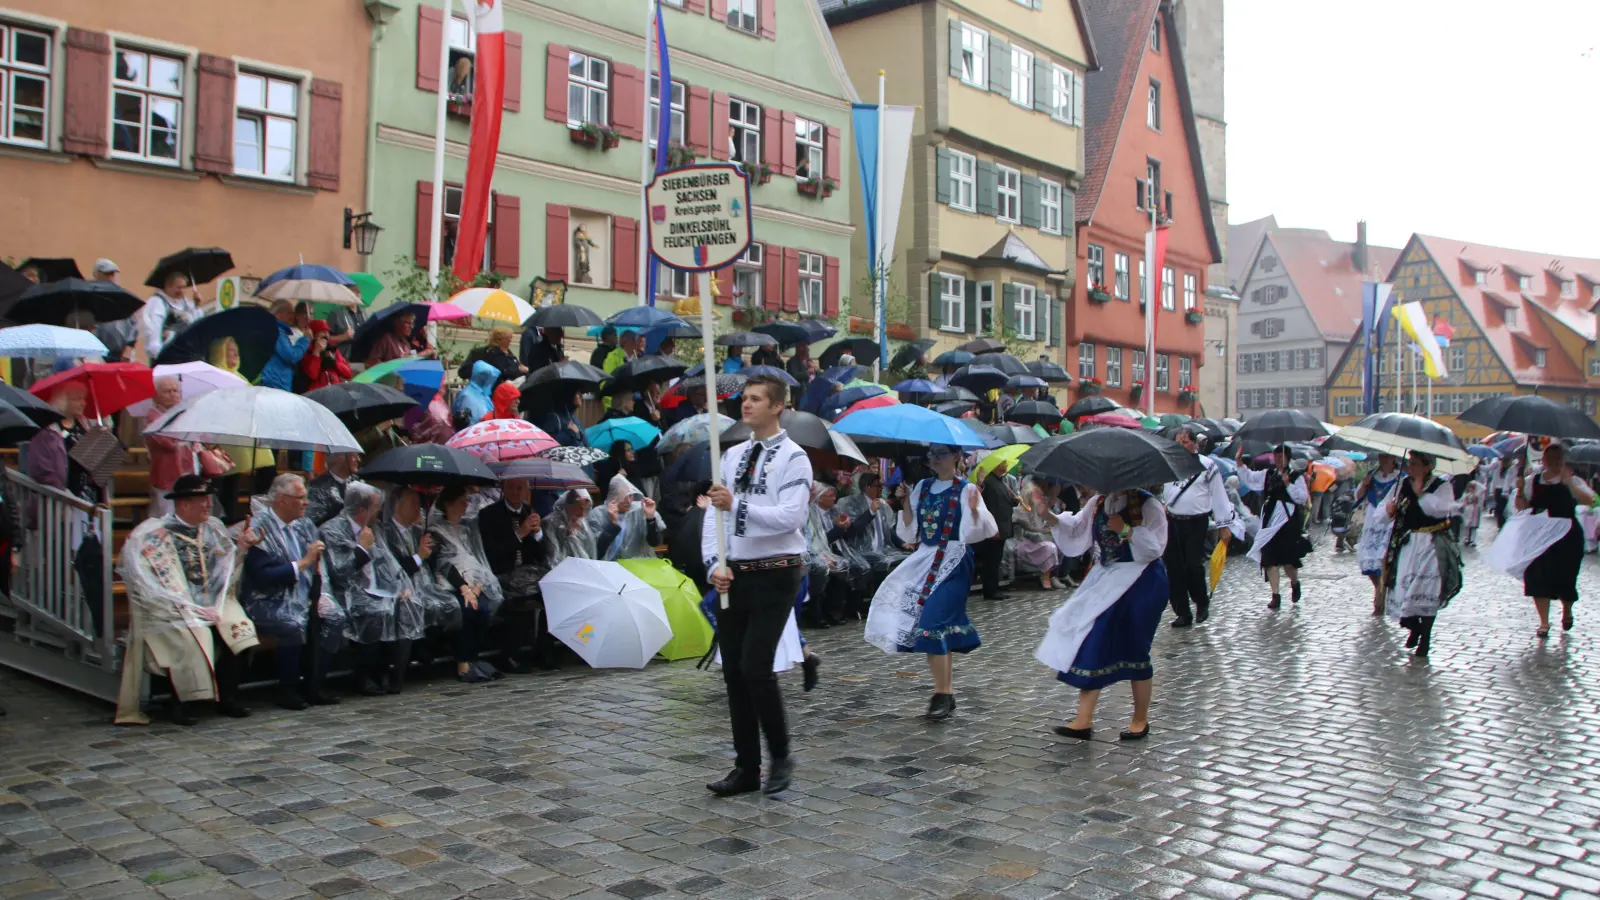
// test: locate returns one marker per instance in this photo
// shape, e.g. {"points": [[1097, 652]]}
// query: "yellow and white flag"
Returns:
{"points": [[1414, 320]]}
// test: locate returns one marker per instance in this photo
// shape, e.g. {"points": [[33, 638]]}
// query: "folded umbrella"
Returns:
{"points": [[979, 378], [694, 430], [1531, 414], [111, 386], [502, 440], [904, 422], [194, 379], [15, 426], [563, 315], [746, 339], [911, 354], [201, 264], [52, 302], [1111, 459], [1005, 362], [1219, 559], [253, 329], [360, 404], [256, 416], [49, 342], [543, 474], [1049, 371], [493, 303], [35, 409], [865, 350], [636, 431], [605, 613], [1280, 425], [1090, 405], [953, 359], [1033, 412], [420, 378], [430, 464]]}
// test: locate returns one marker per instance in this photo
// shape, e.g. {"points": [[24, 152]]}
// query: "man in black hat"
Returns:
{"points": [[608, 343]]}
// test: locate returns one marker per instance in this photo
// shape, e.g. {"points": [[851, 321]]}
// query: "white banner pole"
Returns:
{"points": [[706, 341], [645, 162], [436, 232], [879, 268]]}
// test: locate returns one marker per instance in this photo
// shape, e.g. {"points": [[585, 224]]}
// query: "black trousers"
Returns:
{"points": [[1499, 508], [990, 553], [1187, 556], [308, 660], [748, 631], [520, 624]]}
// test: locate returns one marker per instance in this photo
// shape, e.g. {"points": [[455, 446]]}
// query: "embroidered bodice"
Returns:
{"points": [[939, 514]]}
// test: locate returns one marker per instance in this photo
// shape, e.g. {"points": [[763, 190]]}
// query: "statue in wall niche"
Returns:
{"points": [[581, 245]]}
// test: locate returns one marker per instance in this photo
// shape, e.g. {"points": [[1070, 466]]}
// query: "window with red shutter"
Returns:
{"points": [[769, 19], [627, 101], [424, 231], [832, 148], [430, 33], [213, 114], [719, 10], [87, 110], [786, 145], [322, 164], [772, 152], [772, 285], [555, 83], [720, 129], [513, 95], [830, 286], [791, 279], [723, 295], [556, 240], [624, 254], [505, 254], [700, 120]]}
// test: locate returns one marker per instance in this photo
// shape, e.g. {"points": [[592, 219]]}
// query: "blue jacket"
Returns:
{"points": [[279, 371]]}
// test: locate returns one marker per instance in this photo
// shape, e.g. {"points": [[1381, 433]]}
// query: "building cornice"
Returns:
{"points": [[400, 137]]}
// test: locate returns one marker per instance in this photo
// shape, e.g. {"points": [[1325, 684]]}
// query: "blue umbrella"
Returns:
{"points": [[632, 429], [1026, 381], [1482, 452], [1227, 465], [594, 330], [841, 374], [916, 386], [818, 394], [805, 331], [841, 401], [655, 335], [770, 371], [953, 358], [644, 317], [904, 422], [304, 272]]}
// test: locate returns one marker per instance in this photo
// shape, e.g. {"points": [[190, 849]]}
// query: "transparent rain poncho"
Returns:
{"points": [[876, 544], [372, 587], [822, 558], [458, 554], [172, 569], [571, 534], [437, 607], [284, 612], [633, 535]]}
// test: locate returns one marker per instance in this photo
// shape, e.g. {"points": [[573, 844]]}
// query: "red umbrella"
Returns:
{"points": [[870, 403], [502, 440], [111, 386], [1115, 420]]}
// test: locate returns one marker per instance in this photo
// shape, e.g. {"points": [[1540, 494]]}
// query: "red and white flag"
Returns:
{"points": [[488, 98]]}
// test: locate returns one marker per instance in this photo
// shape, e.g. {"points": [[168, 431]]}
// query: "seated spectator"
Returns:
{"points": [[402, 531], [461, 567], [326, 492], [368, 581], [627, 527], [569, 528], [515, 544], [169, 458], [558, 418]]}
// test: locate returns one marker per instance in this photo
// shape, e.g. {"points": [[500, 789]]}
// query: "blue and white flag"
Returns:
{"points": [[664, 131], [1376, 300], [887, 186]]}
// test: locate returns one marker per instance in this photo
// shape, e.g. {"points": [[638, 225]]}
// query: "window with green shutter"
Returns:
{"points": [[1008, 307], [970, 317], [988, 188], [1032, 213], [935, 285], [1055, 311], [999, 66], [955, 47], [942, 183]]}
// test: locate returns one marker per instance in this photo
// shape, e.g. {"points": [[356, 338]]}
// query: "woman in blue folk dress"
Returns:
{"points": [[921, 607], [1375, 531], [1102, 634]]}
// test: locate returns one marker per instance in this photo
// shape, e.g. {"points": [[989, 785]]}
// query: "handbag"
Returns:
{"points": [[214, 463], [99, 453]]}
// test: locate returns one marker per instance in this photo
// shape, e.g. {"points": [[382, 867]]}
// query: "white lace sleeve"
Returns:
{"points": [[1149, 540], [1074, 532]]}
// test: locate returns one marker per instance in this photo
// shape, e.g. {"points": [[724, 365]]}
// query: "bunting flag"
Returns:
{"points": [[663, 133], [1443, 331], [886, 187], [488, 98], [1414, 321], [1375, 301]]}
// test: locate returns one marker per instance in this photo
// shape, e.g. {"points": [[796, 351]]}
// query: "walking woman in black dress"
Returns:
{"points": [[1556, 491]]}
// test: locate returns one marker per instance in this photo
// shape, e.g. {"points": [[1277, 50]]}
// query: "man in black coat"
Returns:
{"points": [[514, 544], [998, 498], [539, 350], [608, 343]]}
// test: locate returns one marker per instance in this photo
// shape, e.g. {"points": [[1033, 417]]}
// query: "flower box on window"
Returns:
{"points": [[817, 187], [1136, 391], [1194, 317], [679, 155], [1098, 294], [1186, 393], [459, 106], [1088, 386], [595, 136], [758, 173]]}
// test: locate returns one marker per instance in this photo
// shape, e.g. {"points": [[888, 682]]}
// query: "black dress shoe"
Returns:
{"points": [[1182, 623], [233, 709], [779, 774], [370, 688], [1202, 612], [1082, 734], [1130, 735], [941, 707], [1276, 602], [1294, 592], [739, 781], [321, 698], [518, 667], [291, 700], [809, 667], [181, 713]]}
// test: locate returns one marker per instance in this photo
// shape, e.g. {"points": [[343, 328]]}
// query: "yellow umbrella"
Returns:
{"points": [[493, 303], [1219, 558], [1007, 455]]}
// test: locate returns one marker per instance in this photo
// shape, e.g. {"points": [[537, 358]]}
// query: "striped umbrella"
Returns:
{"points": [[494, 303]]}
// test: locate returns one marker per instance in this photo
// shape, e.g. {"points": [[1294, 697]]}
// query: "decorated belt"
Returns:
{"points": [[1177, 518], [762, 565], [1431, 529]]}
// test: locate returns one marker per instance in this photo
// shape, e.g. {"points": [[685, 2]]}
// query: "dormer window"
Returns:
{"points": [[1538, 359], [1524, 283], [1510, 315], [1479, 276]]}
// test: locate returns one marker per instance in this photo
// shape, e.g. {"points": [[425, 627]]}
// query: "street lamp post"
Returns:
{"points": [[361, 231]]}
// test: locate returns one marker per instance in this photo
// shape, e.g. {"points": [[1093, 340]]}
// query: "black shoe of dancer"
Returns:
{"points": [[941, 707], [809, 667], [779, 774], [1294, 592], [1182, 623], [738, 781], [1277, 601], [1202, 612]]}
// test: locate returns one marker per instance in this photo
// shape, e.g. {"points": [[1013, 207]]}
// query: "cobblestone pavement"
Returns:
{"points": [[1299, 754]]}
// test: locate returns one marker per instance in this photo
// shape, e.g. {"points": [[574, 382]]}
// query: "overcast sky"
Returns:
{"points": [[1469, 119]]}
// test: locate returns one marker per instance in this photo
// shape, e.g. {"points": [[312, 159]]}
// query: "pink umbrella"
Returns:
{"points": [[502, 440], [1110, 418], [870, 403], [443, 312]]}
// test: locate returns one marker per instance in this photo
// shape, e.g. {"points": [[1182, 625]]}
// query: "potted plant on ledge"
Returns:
{"points": [[1194, 317], [1135, 392], [758, 173], [1088, 386], [591, 135], [679, 155], [1186, 393], [1098, 293], [817, 187]]}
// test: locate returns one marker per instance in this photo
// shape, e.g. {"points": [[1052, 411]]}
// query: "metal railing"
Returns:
{"points": [[58, 633]]}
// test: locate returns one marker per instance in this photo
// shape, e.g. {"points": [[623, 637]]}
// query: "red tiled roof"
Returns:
{"points": [[1324, 273], [1121, 30], [1540, 309]]}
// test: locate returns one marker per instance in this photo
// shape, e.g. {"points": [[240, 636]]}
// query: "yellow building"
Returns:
{"points": [[985, 243], [1522, 322]]}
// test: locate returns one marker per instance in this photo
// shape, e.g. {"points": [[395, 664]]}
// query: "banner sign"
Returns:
{"points": [[699, 216]]}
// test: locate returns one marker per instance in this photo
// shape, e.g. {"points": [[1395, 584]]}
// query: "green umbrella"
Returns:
{"points": [[1172, 419], [369, 286], [1150, 422], [1040, 428], [691, 633]]}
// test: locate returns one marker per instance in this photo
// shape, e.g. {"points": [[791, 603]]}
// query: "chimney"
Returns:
{"points": [[1358, 254]]}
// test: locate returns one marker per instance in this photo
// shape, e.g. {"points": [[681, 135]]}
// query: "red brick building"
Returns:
{"points": [[1141, 148]]}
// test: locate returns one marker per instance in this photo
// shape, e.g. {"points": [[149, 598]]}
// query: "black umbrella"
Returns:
{"points": [[568, 373], [951, 392], [428, 464], [50, 303], [955, 409], [1026, 381], [642, 370], [12, 284], [200, 264], [1092, 405], [805, 429], [1531, 414], [1034, 412], [1397, 434], [865, 350], [564, 315], [381, 323], [908, 355], [1005, 362], [979, 378], [1584, 454], [773, 371], [983, 345], [39, 411], [51, 269], [1111, 459], [361, 404], [15, 426], [1211, 429], [953, 358], [1280, 425], [692, 465], [253, 328], [1010, 433], [1049, 371], [746, 339]]}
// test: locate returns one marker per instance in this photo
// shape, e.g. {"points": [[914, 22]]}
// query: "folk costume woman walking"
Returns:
{"points": [[1374, 543], [1422, 567], [1556, 491], [1281, 544], [1102, 634], [922, 606]]}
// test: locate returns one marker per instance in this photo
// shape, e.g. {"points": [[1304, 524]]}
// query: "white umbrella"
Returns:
{"points": [[605, 613], [259, 416], [195, 378], [49, 342], [310, 290], [493, 303]]}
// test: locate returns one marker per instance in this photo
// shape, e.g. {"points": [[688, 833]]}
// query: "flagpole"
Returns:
{"points": [[1152, 274], [879, 268], [645, 167], [436, 235]]}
